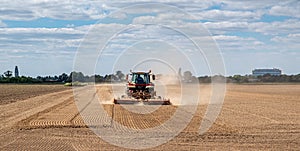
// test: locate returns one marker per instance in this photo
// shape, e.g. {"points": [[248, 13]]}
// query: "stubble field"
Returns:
{"points": [[253, 117]]}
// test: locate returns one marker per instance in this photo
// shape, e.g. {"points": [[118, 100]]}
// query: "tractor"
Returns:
{"points": [[140, 89]]}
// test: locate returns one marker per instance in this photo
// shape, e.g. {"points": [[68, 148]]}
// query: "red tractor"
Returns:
{"points": [[140, 89]]}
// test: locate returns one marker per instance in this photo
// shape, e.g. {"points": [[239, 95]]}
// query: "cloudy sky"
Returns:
{"points": [[43, 36]]}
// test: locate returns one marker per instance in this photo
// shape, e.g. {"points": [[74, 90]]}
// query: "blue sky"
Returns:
{"points": [[42, 37]]}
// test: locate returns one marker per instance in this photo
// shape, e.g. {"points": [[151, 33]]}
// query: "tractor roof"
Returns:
{"points": [[141, 72]]}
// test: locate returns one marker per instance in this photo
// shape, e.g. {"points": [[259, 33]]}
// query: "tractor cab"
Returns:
{"points": [[140, 78], [139, 88], [140, 81]]}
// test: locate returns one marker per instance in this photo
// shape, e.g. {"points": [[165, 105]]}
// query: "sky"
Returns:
{"points": [[43, 37]]}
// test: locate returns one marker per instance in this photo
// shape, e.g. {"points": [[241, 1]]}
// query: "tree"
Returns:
{"points": [[187, 76], [267, 78], [120, 75], [237, 78], [76, 76], [16, 72], [110, 78], [204, 79], [8, 73], [99, 78], [63, 77], [218, 78]]}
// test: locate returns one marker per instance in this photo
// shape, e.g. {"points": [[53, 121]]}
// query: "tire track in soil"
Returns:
{"points": [[33, 122], [221, 134], [124, 117], [70, 119], [62, 115], [38, 142], [140, 121], [14, 119], [253, 114], [33, 106], [8, 137], [9, 110], [55, 117], [77, 120], [89, 110]]}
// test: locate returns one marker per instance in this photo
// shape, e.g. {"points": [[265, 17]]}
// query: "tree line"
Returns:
{"points": [[187, 77], [267, 78], [63, 78]]}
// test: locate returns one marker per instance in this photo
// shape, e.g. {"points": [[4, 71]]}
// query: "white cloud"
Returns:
{"points": [[97, 9], [76, 9], [277, 27], [160, 19], [236, 43], [226, 26], [291, 9], [119, 15], [266, 28], [39, 42], [230, 38], [249, 4], [232, 17], [40, 30], [291, 42], [289, 38], [228, 15], [29, 10]]}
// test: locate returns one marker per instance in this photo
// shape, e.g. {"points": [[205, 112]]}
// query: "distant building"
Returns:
{"points": [[16, 72], [261, 72]]}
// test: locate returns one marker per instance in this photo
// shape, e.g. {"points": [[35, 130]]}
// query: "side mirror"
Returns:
{"points": [[153, 77]]}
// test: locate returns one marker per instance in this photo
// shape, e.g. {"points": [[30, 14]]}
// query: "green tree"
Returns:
{"points": [[8, 73], [120, 75], [237, 78], [63, 77], [99, 78], [76, 76]]}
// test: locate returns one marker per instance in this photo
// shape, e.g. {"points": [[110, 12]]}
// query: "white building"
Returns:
{"points": [[261, 72]]}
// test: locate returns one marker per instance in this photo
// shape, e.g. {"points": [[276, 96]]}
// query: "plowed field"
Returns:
{"points": [[253, 117]]}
